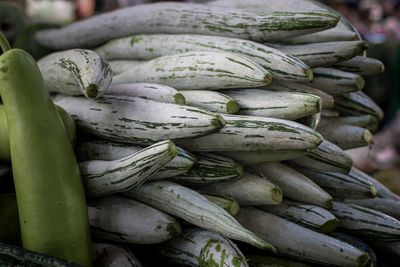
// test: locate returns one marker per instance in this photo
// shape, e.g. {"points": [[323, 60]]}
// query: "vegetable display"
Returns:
{"points": [[185, 134]]}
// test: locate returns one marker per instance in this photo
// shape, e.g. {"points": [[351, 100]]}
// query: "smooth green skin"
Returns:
{"points": [[50, 193], [5, 155]]}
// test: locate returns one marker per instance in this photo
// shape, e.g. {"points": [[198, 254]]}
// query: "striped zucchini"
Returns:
{"points": [[382, 190], [119, 66], [291, 5], [255, 157], [336, 82], [261, 260], [341, 32], [324, 54], [104, 150], [358, 243], [388, 206], [364, 66], [138, 121], [331, 35], [367, 223], [225, 202], [326, 99], [146, 47], [251, 133], [332, 113], [327, 157], [313, 217], [293, 184], [365, 121], [347, 136], [299, 242], [198, 247], [109, 177], [210, 100], [152, 91], [346, 24], [274, 5], [115, 256], [250, 189], [197, 70], [186, 18], [311, 121], [357, 103], [194, 208], [342, 185], [76, 72], [132, 222], [211, 168], [280, 105], [12, 256]]}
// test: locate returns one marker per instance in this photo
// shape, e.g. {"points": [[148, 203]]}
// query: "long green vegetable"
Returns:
{"points": [[196, 70], [211, 100], [340, 185], [149, 46], [327, 157], [76, 72], [336, 82], [138, 121], [293, 183], [365, 121], [187, 18], [285, 86], [251, 133], [108, 177], [194, 208], [104, 150], [280, 105], [198, 247], [367, 223], [361, 65], [313, 217], [301, 243], [5, 155], [357, 103], [347, 136], [132, 221], [108, 255], [324, 54], [49, 189], [248, 190], [211, 168]]}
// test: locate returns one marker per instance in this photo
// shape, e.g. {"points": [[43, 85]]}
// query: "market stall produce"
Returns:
{"points": [[205, 136]]}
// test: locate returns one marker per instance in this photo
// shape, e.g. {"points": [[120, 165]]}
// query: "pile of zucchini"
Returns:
{"points": [[215, 135]]}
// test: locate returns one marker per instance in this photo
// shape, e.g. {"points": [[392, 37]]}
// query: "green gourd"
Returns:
{"points": [[50, 194]]}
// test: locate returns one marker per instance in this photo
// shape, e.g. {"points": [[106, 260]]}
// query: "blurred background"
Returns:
{"points": [[378, 21]]}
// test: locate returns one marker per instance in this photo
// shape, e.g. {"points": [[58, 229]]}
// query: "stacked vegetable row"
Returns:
{"points": [[202, 125]]}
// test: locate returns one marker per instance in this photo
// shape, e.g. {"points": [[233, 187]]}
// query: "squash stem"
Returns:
{"points": [[4, 44]]}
